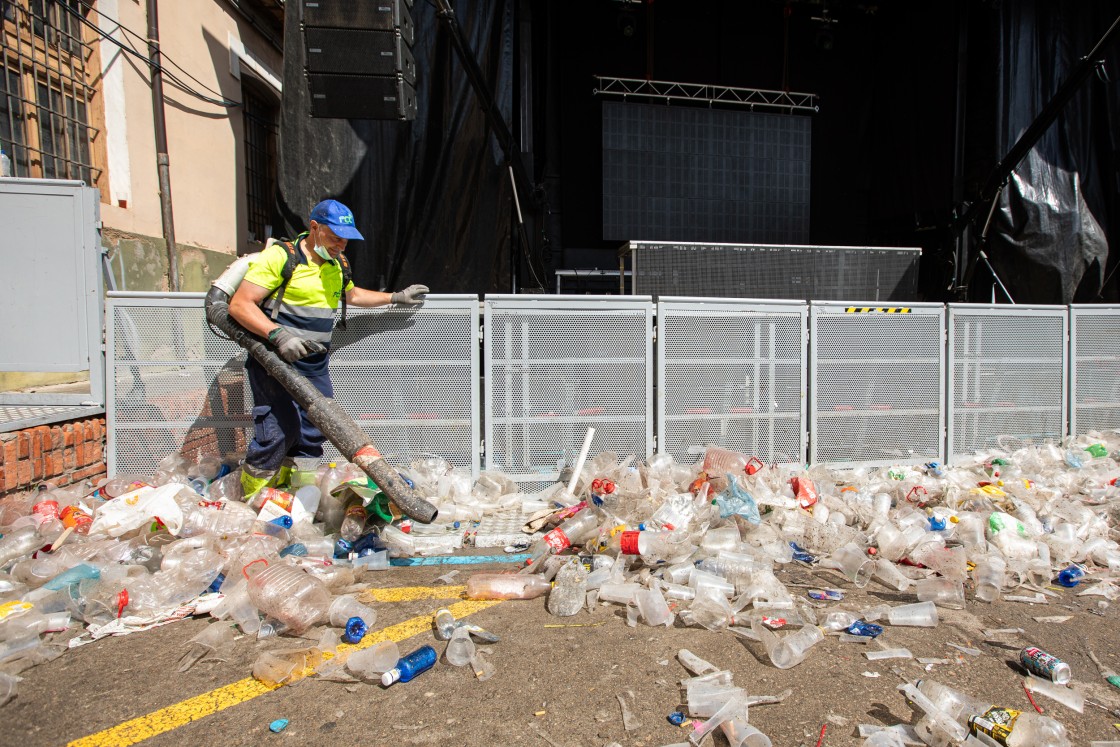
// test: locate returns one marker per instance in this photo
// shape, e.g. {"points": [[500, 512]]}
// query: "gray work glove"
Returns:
{"points": [[411, 295], [292, 347]]}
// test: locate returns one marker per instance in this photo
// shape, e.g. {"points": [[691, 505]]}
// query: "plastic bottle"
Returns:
{"points": [[218, 517], [571, 532], [354, 518], [444, 623], [506, 586], [292, 596], [656, 547], [5, 164], [569, 594], [22, 541], [408, 667], [460, 648], [331, 510]]}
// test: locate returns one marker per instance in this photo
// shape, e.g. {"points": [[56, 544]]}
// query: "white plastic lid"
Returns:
{"points": [[390, 677]]}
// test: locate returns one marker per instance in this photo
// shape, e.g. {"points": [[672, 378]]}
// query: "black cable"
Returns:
{"points": [[144, 41], [223, 102]]}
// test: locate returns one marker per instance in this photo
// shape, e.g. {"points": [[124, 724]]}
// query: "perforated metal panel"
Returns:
{"points": [[173, 386], [803, 273], [734, 374], [1007, 370], [877, 383], [408, 377], [1095, 368], [556, 365]]}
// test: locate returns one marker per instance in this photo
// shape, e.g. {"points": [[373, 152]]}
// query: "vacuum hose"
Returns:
{"points": [[350, 440]]}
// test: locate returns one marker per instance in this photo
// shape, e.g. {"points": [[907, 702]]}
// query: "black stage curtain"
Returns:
{"points": [[431, 196], [1058, 215]]}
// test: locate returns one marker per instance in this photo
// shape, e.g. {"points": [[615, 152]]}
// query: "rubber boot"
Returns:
{"points": [[283, 479], [253, 479]]}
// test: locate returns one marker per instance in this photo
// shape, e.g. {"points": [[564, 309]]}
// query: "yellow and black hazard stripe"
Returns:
{"points": [[877, 310]]}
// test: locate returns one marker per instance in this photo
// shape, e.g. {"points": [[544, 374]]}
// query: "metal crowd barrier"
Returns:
{"points": [[513, 383]]}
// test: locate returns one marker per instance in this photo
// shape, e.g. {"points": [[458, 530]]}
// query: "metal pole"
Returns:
{"points": [[162, 162]]}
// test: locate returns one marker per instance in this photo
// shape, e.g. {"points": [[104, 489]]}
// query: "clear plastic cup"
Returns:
{"points": [[941, 591], [370, 663], [345, 607], [918, 615], [739, 733], [651, 603], [854, 563]]}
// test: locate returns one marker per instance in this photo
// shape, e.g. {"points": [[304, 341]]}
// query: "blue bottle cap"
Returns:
{"points": [[1070, 577], [278, 725], [355, 630], [936, 524], [676, 718], [217, 583]]}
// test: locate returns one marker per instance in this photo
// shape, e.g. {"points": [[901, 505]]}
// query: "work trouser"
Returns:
{"points": [[281, 427]]}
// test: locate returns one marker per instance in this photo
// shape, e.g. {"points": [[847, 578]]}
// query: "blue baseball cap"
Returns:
{"points": [[337, 217]]}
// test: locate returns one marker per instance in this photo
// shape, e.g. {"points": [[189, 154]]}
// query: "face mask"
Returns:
{"points": [[322, 252]]}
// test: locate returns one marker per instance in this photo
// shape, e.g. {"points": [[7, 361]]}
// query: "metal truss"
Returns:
{"points": [[700, 93]]}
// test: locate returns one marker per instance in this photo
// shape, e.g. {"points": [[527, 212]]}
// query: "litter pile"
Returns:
{"points": [[673, 544]]}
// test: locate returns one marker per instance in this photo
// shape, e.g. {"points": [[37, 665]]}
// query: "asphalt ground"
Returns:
{"points": [[554, 686]]}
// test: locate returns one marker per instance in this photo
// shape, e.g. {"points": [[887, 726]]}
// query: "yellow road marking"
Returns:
{"points": [[209, 703], [412, 593]]}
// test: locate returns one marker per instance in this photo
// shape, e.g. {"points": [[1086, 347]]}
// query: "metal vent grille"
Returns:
{"points": [[556, 365], [878, 387], [1095, 370], [408, 377], [732, 374], [1007, 369], [803, 273]]}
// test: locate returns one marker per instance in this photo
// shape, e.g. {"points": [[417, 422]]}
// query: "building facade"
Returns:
{"points": [[77, 104]]}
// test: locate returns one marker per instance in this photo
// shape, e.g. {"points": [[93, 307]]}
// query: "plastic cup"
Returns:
{"points": [[941, 591], [652, 605], [918, 615], [343, 608], [890, 541], [723, 538], [372, 662], [620, 593], [854, 564], [741, 734]]}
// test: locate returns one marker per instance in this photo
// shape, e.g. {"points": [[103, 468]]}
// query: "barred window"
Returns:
{"points": [[45, 66], [262, 114]]}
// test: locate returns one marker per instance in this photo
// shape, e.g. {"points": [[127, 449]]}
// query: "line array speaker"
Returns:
{"points": [[359, 61], [361, 96], [359, 52], [370, 15]]}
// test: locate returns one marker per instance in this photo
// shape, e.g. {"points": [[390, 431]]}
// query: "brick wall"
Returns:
{"points": [[63, 454]]}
